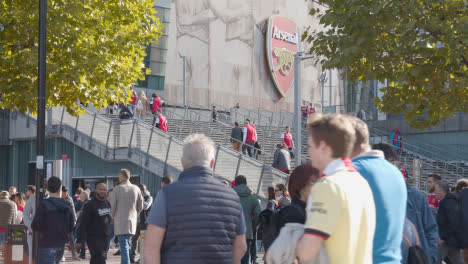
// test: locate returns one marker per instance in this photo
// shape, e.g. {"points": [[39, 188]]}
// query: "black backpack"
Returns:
{"points": [[269, 226], [416, 254]]}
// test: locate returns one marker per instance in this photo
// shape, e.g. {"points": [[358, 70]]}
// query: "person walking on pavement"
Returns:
{"points": [[196, 219], [147, 203], [28, 215], [417, 210], [7, 215], [389, 192], [432, 180], [160, 121], [71, 239], [94, 226], [249, 139], [449, 220], [84, 198], [53, 221], [251, 208], [282, 159], [236, 136], [341, 214], [126, 204]]}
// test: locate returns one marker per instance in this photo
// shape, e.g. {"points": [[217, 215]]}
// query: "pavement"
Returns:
{"points": [[110, 258]]}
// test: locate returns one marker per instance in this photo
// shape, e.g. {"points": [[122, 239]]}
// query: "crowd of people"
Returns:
{"points": [[140, 106], [352, 204]]}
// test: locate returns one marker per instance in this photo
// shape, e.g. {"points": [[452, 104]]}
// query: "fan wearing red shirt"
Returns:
{"points": [[287, 138], [161, 121], [131, 106], [156, 103], [311, 109], [432, 180]]}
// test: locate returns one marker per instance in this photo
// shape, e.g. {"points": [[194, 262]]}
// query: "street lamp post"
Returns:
{"points": [[183, 80], [297, 107], [41, 103], [298, 57], [323, 79]]}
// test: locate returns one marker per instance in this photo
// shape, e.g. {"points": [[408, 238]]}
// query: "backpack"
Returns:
{"points": [[269, 226], [416, 254]]}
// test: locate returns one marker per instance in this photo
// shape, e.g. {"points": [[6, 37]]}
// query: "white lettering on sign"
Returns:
{"points": [[281, 35]]}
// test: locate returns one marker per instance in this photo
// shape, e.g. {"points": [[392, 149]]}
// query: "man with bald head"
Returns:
{"points": [[95, 223]]}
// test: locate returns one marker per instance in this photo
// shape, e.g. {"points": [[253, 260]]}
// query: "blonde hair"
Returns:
{"points": [[142, 95]]}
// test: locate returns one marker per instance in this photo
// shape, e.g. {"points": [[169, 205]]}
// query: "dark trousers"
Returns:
{"points": [[135, 240], [97, 249], [253, 247], [249, 147], [245, 259]]}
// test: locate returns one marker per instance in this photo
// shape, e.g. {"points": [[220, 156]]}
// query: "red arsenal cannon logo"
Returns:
{"points": [[282, 42]]}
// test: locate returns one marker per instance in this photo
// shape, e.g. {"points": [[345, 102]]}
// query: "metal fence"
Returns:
{"points": [[136, 135]]}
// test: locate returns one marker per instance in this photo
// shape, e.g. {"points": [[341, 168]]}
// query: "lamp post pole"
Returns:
{"points": [[183, 80], [297, 107], [41, 103]]}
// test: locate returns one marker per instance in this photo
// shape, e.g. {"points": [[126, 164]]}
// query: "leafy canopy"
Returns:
{"points": [[94, 49], [419, 47]]}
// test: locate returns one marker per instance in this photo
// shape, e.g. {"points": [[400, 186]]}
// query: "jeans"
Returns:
{"points": [[2, 238], [249, 146], [72, 244], [98, 249], [245, 259], [131, 107], [124, 242], [50, 255], [111, 236], [29, 239], [450, 252]]}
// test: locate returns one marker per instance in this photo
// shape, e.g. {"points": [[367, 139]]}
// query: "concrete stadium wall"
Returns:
{"points": [[224, 44]]}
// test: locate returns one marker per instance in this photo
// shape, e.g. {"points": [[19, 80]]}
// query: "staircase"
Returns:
{"points": [[137, 141], [272, 125]]}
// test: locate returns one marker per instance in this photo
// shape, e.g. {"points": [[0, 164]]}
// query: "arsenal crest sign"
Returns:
{"points": [[282, 43]]}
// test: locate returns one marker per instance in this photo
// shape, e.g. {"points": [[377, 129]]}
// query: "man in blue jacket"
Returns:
{"points": [[389, 191], [417, 211]]}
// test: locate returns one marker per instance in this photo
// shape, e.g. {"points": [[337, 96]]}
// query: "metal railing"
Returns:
{"points": [[135, 135]]}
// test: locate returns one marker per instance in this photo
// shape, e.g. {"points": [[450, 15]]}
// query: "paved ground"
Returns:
{"points": [[110, 258]]}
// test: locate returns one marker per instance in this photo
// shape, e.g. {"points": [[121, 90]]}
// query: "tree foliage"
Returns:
{"points": [[94, 49], [419, 47]]}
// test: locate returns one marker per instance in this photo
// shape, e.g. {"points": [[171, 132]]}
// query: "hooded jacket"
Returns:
{"points": [[53, 220], [250, 206], [449, 219], [419, 213]]}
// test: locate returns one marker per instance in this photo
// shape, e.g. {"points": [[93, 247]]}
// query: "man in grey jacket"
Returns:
{"points": [[282, 159], [28, 215], [126, 204], [71, 241], [147, 203]]}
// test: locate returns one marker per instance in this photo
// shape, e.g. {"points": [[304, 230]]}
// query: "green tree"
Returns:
{"points": [[419, 46], [94, 50]]}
